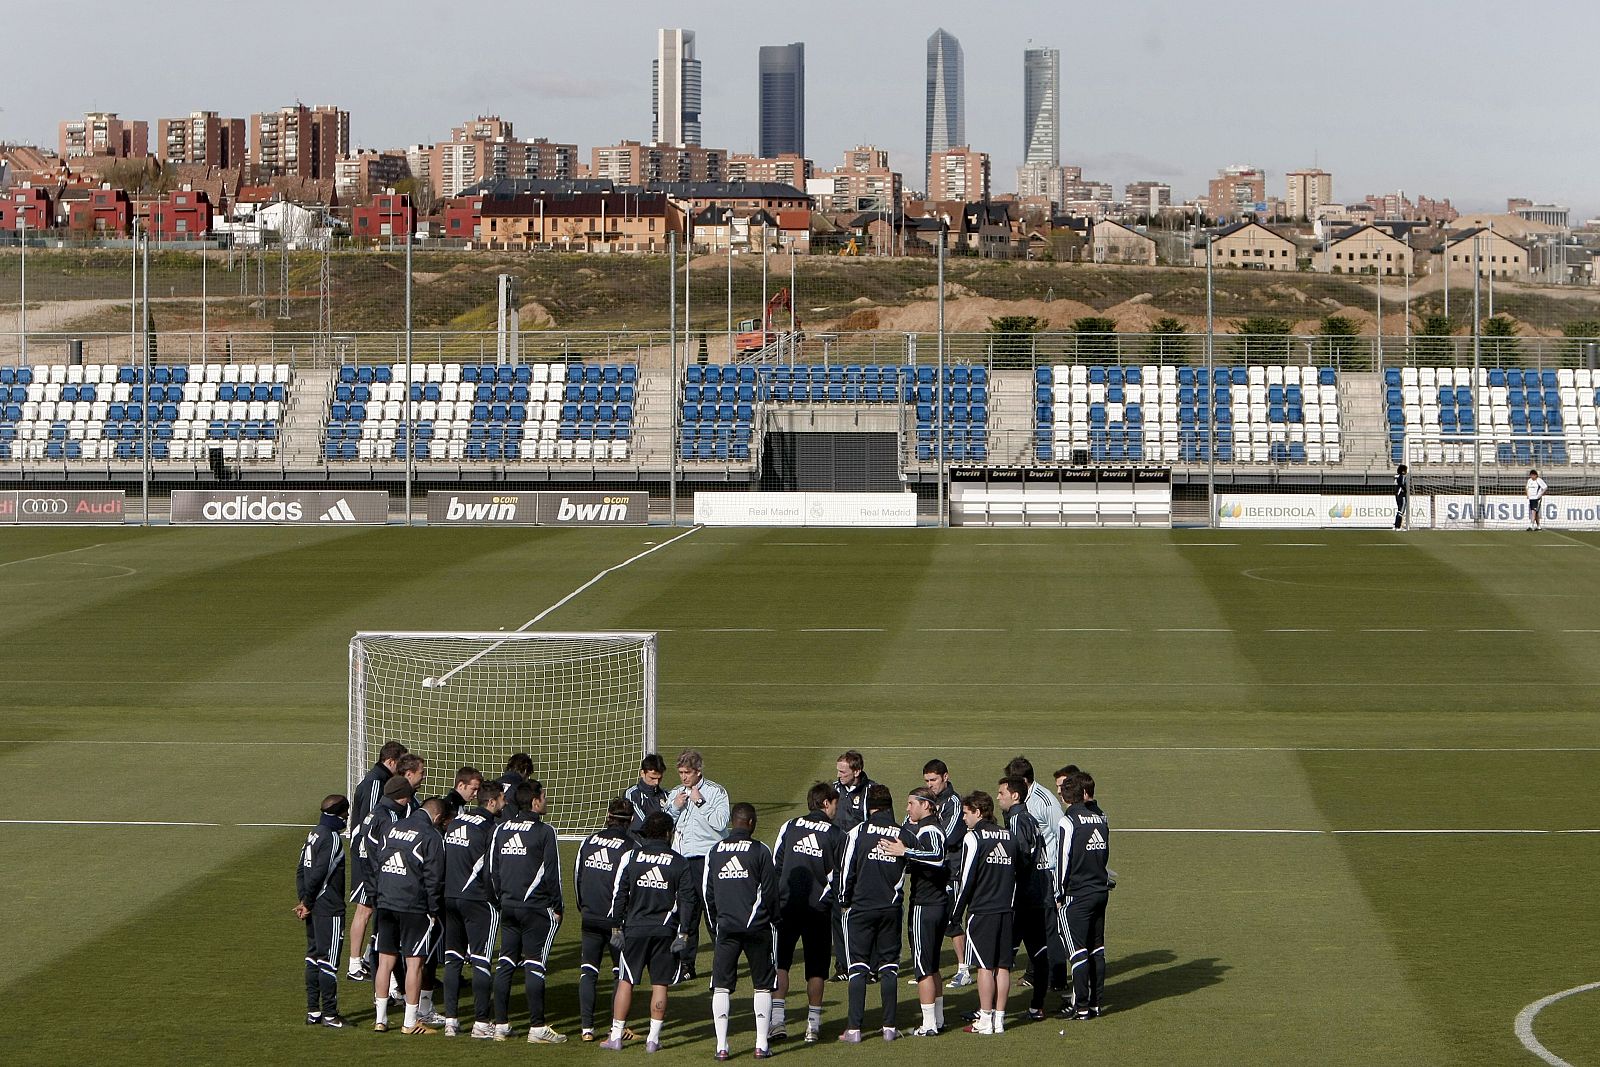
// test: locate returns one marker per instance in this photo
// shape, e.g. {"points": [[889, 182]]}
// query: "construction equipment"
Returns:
{"points": [[752, 337], [851, 249]]}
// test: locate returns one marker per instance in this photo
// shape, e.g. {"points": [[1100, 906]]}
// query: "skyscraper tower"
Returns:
{"points": [[675, 90], [947, 113], [782, 100], [1041, 106]]}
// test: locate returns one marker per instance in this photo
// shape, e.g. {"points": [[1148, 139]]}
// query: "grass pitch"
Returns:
{"points": [[1215, 683]]}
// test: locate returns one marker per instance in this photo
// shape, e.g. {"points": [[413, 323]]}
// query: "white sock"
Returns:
{"points": [[963, 971], [887, 1031], [617, 1026], [938, 1012], [930, 1020], [425, 1004], [999, 1019], [453, 1022], [655, 1030], [380, 1009], [763, 1017], [411, 1015], [814, 1017], [778, 1009], [719, 1015]]}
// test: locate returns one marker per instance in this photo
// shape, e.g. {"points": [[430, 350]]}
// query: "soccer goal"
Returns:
{"points": [[583, 705]]}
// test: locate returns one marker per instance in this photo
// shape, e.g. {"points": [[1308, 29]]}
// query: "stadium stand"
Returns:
{"points": [[1259, 414], [1515, 416], [719, 405], [456, 411], [104, 413]]}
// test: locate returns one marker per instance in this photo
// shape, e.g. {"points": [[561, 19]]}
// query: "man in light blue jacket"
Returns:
{"points": [[699, 811]]}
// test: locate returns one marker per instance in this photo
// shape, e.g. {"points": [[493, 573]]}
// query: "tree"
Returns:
{"points": [[1263, 335], [1168, 338], [1580, 332], [1097, 338], [1012, 339], [1500, 339], [1338, 336], [1433, 339]]}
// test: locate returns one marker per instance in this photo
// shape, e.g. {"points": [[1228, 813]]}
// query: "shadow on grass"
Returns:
{"points": [[1174, 981]]}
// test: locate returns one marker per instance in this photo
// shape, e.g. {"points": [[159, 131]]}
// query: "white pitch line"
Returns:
{"points": [[186, 743], [1208, 544], [97, 822], [1193, 630], [1394, 630], [737, 630], [1187, 748], [1482, 630], [841, 630], [443, 678], [1134, 684], [1306, 631], [1297, 544], [51, 555], [1524, 1024], [1083, 630], [961, 630]]}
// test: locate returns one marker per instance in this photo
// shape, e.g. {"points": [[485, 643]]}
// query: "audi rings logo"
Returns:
{"points": [[44, 505], [64, 506]]}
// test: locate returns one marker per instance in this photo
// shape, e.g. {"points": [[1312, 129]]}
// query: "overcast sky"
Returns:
{"points": [[1467, 99]]}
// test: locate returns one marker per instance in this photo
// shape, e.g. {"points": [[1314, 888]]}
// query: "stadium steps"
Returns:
{"points": [[1011, 417], [301, 433], [652, 418], [1361, 414]]}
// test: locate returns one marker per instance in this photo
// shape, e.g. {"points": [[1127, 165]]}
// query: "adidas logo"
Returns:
{"points": [[598, 860], [513, 846], [395, 864], [733, 869], [458, 836], [652, 879], [998, 856], [808, 846], [1096, 843], [340, 512]]}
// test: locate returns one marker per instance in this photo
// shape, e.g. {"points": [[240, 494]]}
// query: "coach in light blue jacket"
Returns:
{"points": [[699, 811]]}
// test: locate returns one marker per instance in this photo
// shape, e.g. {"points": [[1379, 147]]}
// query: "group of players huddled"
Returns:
{"points": [[473, 879]]}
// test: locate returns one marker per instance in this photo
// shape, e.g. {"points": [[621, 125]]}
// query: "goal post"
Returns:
{"points": [[582, 705]]}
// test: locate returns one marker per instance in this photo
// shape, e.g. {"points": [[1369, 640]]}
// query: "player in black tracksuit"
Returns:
{"points": [[986, 895], [807, 854], [922, 845], [319, 893], [653, 902], [405, 861], [1083, 886], [646, 797], [743, 898], [1035, 896], [368, 793], [850, 812], [947, 803], [470, 921], [525, 883], [519, 770], [870, 894], [1402, 491], [593, 879]]}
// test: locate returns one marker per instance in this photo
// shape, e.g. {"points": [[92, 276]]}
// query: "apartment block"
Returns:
{"points": [[959, 174], [203, 137], [788, 168], [1365, 250], [182, 215], [1236, 191], [27, 207], [300, 141], [1306, 191], [360, 176], [1147, 197], [632, 163], [102, 133], [389, 215]]}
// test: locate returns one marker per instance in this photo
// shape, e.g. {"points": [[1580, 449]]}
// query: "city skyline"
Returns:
{"points": [[1153, 107], [944, 101], [781, 98]]}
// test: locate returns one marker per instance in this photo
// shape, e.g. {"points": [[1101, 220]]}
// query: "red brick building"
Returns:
{"points": [[461, 217], [105, 211], [29, 205], [389, 215], [182, 215]]}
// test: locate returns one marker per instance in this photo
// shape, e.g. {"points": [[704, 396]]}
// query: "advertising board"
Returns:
{"points": [[218, 507]]}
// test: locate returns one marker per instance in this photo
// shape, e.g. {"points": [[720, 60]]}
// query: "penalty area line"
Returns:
{"points": [[1524, 1024]]}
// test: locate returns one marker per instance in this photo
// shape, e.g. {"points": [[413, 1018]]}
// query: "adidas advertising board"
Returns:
{"points": [[210, 507], [538, 509], [67, 507]]}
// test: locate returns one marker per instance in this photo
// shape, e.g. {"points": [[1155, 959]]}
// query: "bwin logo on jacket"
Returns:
{"points": [[734, 869], [513, 846], [807, 846], [652, 879], [395, 864]]}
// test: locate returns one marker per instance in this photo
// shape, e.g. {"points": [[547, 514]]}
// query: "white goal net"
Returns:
{"points": [[581, 704]]}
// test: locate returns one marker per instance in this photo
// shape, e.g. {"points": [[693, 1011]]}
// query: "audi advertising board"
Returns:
{"points": [[538, 509], [29, 507], [212, 507]]}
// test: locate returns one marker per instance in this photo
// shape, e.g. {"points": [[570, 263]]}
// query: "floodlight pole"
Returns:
{"points": [[1477, 359], [144, 423], [672, 355], [1211, 453], [938, 389], [729, 232], [410, 444]]}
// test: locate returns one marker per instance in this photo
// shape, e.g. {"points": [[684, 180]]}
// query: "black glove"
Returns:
{"points": [[616, 940], [680, 946]]}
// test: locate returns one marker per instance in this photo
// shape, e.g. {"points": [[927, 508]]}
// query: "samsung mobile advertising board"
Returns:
{"points": [[1511, 512], [213, 507], [66, 507]]}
